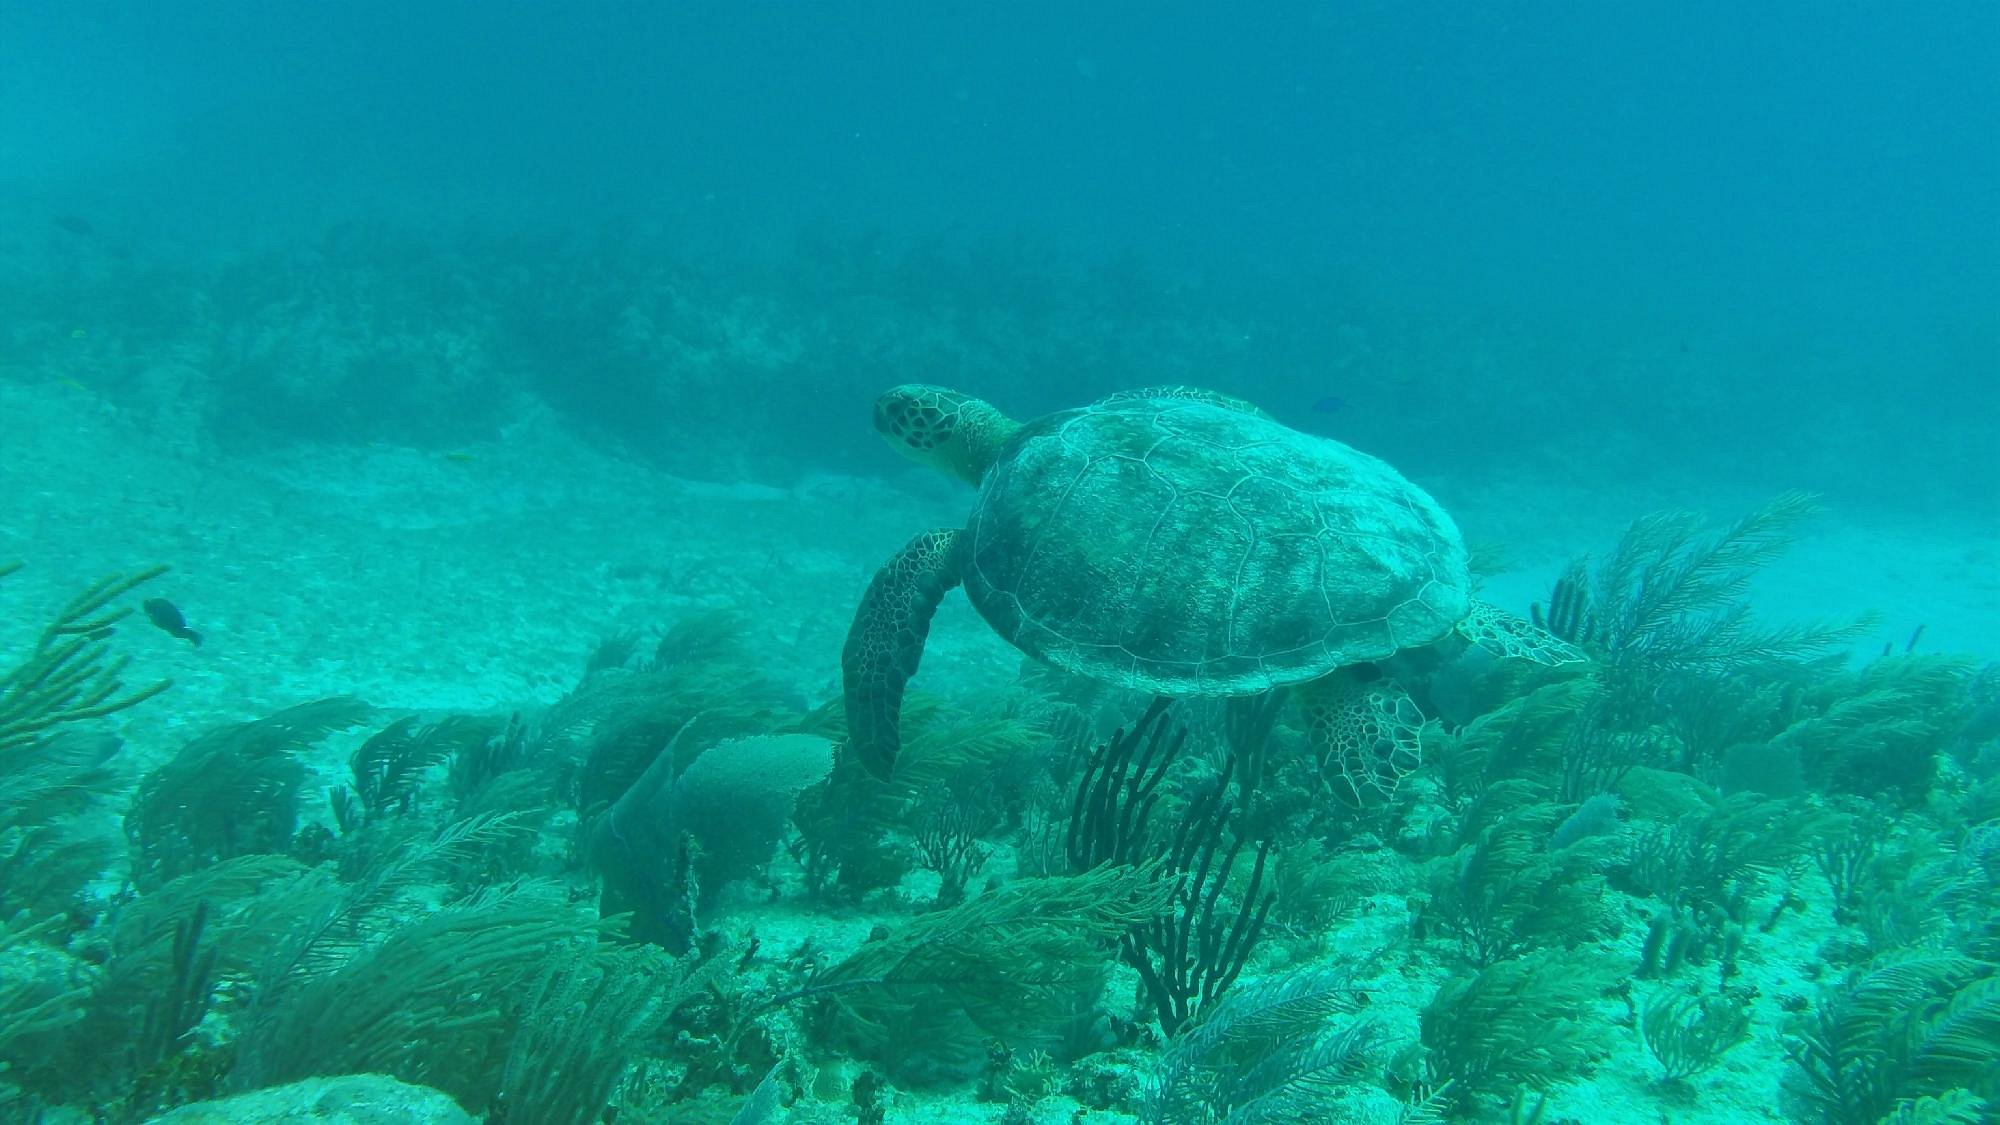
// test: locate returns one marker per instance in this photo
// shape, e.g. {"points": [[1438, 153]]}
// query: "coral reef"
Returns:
{"points": [[1712, 858]]}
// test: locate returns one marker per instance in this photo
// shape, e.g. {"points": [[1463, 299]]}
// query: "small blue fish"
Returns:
{"points": [[1331, 404], [167, 616]]}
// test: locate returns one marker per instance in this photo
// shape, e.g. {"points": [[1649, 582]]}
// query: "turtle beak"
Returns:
{"points": [[883, 414]]}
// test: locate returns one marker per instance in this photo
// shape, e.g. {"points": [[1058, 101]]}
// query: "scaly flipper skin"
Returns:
{"points": [[887, 640], [1365, 735], [1503, 634]]}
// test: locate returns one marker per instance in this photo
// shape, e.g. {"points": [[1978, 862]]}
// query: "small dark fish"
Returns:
{"points": [[167, 616], [1331, 404], [74, 224]]}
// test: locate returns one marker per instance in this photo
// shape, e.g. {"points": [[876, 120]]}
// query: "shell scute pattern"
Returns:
{"points": [[1178, 546]]}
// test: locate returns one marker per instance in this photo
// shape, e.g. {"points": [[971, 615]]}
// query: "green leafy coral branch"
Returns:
{"points": [[70, 675]]}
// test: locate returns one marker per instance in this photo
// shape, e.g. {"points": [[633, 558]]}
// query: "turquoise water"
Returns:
{"points": [[498, 384]]}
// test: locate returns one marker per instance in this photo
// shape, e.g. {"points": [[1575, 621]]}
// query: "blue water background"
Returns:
{"points": [[1758, 243]]}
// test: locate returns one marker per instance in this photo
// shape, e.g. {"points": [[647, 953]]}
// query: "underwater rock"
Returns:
{"points": [[1597, 816], [347, 1099], [733, 802]]}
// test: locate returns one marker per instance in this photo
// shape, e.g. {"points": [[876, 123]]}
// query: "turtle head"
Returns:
{"points": [[954, 433]]}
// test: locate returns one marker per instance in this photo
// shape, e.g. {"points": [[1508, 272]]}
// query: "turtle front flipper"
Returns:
{"points": [[1503, 634], [1366, 735], [887, 640]]}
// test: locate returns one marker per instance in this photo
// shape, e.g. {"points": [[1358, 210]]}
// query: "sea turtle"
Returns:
{"points": [[1182, 542]]}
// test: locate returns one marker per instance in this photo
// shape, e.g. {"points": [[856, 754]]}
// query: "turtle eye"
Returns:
{"points": [[895, 419]]}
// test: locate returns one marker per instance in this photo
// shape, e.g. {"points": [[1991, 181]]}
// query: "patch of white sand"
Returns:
{"points": [[1848, 563]]}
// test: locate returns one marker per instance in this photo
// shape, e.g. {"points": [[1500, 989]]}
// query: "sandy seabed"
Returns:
{"points": [[480, 580]]}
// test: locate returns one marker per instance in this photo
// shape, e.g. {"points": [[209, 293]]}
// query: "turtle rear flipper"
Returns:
{"points": [[1366, 735], [887, 640], [1503, 634]]}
